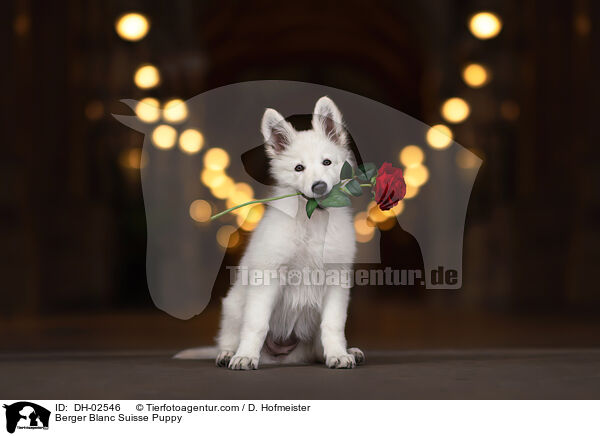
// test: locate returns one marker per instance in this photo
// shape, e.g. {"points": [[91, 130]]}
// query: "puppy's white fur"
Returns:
{"points": [[314, 316]]}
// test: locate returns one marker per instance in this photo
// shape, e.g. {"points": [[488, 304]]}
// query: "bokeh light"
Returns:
{"points": [[191, 141], [133, 158], [485, 25], [164, 137], [250, 220], [146, 77], [383, 219], [94, 110], [465, 159], [376, 215], [455, 110], [22, 24], [212, 178], [398, 209], [411, 156], [416, 176], [200, 211], [439, 136], [175, 111], [509, 110], [411, 191], [224, 188], [242, 193], [475, 75], [245, 189], [227, 236], [364, 232], [148, 110], [132, 26], [216, 159], [387, 224]]}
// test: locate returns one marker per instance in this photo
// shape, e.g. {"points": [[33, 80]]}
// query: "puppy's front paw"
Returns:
{"points": [[243, 363], [343, 361], [359, 356], [223, 358]]}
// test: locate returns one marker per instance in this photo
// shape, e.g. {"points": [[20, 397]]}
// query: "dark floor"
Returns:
{"points": [[435, 374]]}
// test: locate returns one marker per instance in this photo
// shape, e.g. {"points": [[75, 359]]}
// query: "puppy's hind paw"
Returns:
{"points": [[359, 356], [344, 361], [243, 363], [223, 358]]}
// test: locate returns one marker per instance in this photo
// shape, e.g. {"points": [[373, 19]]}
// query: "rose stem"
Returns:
{"points": [[262, 200]]}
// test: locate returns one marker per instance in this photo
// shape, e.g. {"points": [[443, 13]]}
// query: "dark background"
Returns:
{"points": [[72, 221]]}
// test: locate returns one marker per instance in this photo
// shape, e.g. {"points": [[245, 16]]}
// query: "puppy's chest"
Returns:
{"points": [[307, 242]]}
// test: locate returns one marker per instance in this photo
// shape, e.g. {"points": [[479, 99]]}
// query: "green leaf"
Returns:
{"points": [[354, 188], [311, 205], [346, 172], [345, 191], [367, 171], [336, 198]]}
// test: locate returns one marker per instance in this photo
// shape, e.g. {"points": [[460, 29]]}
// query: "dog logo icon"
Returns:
{"points": [[26, 415]]}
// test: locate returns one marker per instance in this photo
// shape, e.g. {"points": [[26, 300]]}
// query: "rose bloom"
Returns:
{"points": [[389, 186]]}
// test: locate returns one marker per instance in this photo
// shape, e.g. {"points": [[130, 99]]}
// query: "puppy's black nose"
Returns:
{"points": [[319, 187]]}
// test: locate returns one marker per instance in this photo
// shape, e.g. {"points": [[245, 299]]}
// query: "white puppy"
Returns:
{"points": [[270, 322]]}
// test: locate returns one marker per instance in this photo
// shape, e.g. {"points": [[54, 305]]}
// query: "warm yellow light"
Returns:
{"points": [[133, 158], [398, 209], [256, 213], [411, 156], [237, 197], [485, 25], [411, 191], [146, 77], [227, 236], [364, 238], [216, 159], [384, 219], [175, 111], [224, 189], [475, 75], [252, 218], [387, 224], [191, 141], [439, 136], [364, 232], [211, 178], [244, 189], [377, 215], [132, 26], [200, 211], [465, 159], [148, 110], [416, 176], [361, 226], [164, 136], [455, 110]]}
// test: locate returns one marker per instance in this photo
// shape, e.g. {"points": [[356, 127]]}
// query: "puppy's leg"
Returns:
{"points": [[228, 338], [255, 325], [333, 322]]}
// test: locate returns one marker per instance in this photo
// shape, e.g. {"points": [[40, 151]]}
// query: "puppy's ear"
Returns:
{"points": [[278, 133], [327, 119]]}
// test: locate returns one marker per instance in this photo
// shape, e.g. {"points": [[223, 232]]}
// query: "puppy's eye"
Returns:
{"points": [[326, 162], [299, 168]]}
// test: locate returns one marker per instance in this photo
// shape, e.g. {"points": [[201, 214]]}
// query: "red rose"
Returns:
{"points": [[389, 186]]}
